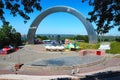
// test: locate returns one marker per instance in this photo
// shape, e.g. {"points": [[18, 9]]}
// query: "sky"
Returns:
{"points": [[56, 23]]}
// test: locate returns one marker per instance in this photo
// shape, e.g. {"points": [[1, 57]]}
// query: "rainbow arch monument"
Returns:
{"points": [[88, 26]]}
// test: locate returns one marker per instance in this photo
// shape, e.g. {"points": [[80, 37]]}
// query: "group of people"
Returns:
{"points": [[69, 44]]}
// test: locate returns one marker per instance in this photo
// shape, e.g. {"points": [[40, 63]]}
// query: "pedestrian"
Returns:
{"points": [[78, 69], [73, 70]]}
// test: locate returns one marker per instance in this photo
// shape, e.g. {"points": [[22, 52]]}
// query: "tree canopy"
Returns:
{"points": [[105, 14], [9, 36], [18, 7]]}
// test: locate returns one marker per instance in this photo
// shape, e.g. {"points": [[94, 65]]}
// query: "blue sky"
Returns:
{"points": [[56, 23]]}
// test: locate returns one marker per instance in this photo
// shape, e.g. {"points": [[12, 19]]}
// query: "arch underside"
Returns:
{"points": [[90, 30]]}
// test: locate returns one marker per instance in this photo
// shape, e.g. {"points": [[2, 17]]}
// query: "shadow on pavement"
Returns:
{"points": [[109, 75]]}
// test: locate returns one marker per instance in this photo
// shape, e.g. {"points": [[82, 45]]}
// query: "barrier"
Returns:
{"points": [[92, 52]]}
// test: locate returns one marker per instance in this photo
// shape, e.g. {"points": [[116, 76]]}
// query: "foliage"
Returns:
{"points": [[58, 38], [42, 37], [71, 38], [18, 7], [81, 37], [9, 36], [16, 39], [115, 47], [118, 39], [106, 14], [84, 45]]}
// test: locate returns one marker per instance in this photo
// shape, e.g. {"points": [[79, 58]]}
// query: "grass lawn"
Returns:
{"points": [[84, 45], [115, 46]]}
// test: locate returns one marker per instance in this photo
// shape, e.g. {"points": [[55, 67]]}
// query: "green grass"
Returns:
{"points": [[115, 48], [84, 45]]}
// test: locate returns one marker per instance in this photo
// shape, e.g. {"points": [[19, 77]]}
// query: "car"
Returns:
{"points": [[8, 49]]}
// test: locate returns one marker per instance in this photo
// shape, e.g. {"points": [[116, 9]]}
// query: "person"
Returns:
{"points": [[78, 69], [75, 45], [73, 70]]}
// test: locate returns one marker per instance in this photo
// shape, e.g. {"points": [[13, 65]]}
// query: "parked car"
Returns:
{"points": [[8, 49]]}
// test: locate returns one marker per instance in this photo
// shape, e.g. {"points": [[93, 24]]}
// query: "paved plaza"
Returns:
{"points": [[38, 61]]}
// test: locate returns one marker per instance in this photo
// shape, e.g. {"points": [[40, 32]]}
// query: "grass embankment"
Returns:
{"points": [[115, 48], [84, 45]]}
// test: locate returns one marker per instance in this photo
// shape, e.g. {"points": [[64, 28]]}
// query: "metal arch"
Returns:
{"points": [[90, 30]]}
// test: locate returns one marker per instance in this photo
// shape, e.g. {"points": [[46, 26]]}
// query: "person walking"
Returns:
{"points": [[73, 70], [78, 69]]}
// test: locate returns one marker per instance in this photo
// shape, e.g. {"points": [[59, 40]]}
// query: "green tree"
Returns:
{"points": [[82, 37], [9, 36], [118, 39], [42, 37], [18, 7], [105, 14], [58, 39], [16, 39]]}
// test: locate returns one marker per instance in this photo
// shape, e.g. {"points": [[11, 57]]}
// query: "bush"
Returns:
{"points": [[117, 39]]}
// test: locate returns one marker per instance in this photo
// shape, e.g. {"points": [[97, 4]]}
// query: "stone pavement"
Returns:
{"points": [[32, 53], [111, 65]]}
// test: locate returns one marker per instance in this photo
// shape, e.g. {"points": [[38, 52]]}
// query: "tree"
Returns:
{"points": [[118, 39], [42, 37], [105, 14], [82, 37], [16, 39], [18, 7], [58, 38], [9, 36], [5, 34]]}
